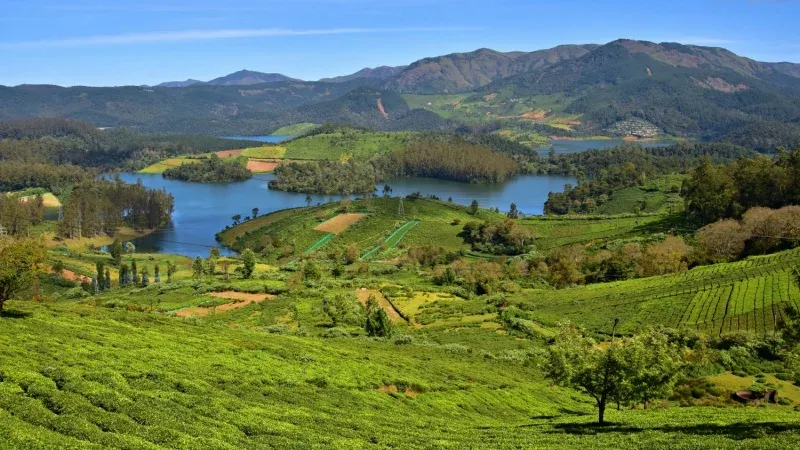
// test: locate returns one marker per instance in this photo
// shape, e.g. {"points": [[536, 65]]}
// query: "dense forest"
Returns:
{"points": [[451, 159], [714, 192], [18, 215], [64, 141], [326, 177], [601, 172], [210, 170], [101, 206]]}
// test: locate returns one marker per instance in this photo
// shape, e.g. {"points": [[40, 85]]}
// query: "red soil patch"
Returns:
{"points": [[244, 300], [363, 295], [72, 276], [256, 165], [229, 153], [339, 223], [381, 110], [533, 115], [388, 389]]}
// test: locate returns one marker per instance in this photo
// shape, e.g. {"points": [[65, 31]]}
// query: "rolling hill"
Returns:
{"points": [[381, 73], [611, 89], [462, 72]]}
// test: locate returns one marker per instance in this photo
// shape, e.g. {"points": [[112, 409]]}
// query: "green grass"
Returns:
{"points": [[361, 145], [381, 220], [295, 129], [169, 163], [748, 295], [91, 377], [660, 195], [265, 152], [557, 231]]}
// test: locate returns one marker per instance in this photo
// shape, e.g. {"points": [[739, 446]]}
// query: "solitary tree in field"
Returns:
{"points": [[630, 370], [377, 323], [249, 260], [255, 213], [129, 248], [145, 277], [351, 254], [21, 262], [134, 272], [171, 268], [101, 273], [115, 249], [513, 212], [197, 267], [473, 207], [236, 218], [157, 273]]}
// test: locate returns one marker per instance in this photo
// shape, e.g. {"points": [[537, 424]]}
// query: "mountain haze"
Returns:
{"points": [[379, 73], [248, 77]]}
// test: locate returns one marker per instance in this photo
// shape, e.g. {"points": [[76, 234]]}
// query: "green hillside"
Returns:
{"points": [[748, 295], [296, 228], [295, 129], [358, 144], [184, 384]]}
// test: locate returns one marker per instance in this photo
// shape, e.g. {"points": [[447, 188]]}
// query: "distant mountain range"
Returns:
{"points": [[681, 90]]}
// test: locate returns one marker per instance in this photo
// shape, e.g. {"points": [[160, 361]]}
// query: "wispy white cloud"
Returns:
{"points": [[205, 35]]}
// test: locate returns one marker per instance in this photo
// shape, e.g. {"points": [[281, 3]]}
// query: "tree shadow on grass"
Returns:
{"points": [[737, 431], [14, 314]]}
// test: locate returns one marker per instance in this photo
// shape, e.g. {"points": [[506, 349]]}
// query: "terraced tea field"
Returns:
{"points": [[749, 295]]}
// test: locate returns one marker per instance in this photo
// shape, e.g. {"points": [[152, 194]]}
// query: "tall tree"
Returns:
{"points": [[21, 261]]}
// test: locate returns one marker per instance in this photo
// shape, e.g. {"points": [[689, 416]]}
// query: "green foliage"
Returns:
{"points": [[344, 309], [326, 177], [452, 159], [249, 260], [715, 192], [211, 170], [627, 370], [505, 237], [377, 323], [20, 262]]}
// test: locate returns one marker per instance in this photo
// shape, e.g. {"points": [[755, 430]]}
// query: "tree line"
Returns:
{"points": [[326, 177], [210, 170], [713, 192], [100, 206]]}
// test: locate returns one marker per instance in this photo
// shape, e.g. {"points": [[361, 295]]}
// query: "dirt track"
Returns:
{"points": [[363, 295], [245, 298]]}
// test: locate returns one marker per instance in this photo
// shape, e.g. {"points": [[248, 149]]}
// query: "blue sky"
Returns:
{"points": [[121, 42]]}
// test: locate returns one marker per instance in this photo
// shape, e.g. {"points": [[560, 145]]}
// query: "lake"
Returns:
{"points": [[270, 139], [577, 146], [202, 209]]}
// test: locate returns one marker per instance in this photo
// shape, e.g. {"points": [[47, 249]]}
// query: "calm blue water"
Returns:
{"points": [[270, 139], [203, 209], [577, 146]]}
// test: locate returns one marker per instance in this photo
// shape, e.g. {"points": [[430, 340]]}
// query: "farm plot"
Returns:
{"points": [[339, 223], [261, 166], [265, 152]]}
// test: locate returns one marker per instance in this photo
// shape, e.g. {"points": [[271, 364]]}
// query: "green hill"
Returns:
{"points": [[747, 295], [357, 143], [381, 219], [295, 129], [682, 90]]}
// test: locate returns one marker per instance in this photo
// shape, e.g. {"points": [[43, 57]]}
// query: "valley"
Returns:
{"points": [[586, 246]]}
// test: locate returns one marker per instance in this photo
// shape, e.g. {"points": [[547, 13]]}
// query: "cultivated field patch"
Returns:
{"points": [[229, 153], [265, 152], [339, 223], [259, 166]]}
